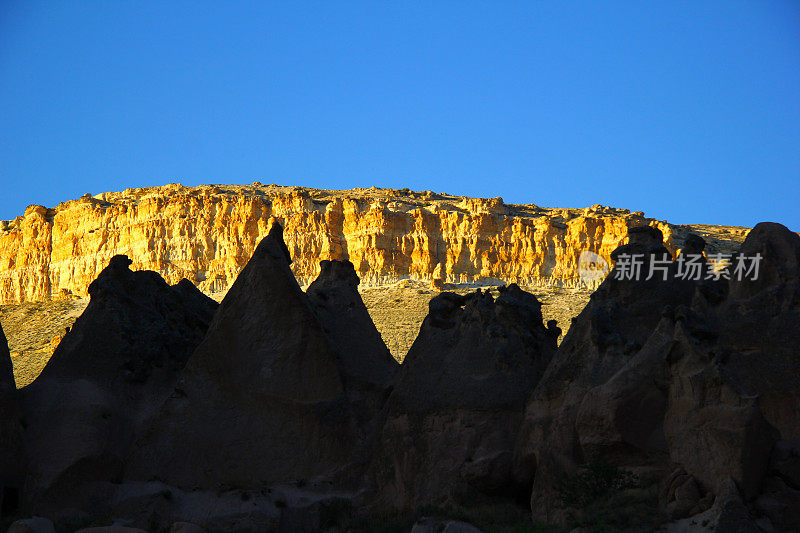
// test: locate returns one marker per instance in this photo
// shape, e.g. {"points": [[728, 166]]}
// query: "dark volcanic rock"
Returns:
{"points": [[694, 244], [605, 392], [645, 240], [262, 399], [735, 393], [12, 459], [759, 337], [107, 377], [366, 366], [714, 427], [702, 374], [452, 419]]}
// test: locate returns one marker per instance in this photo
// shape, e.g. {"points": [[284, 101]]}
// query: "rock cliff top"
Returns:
{"points": [[207, 233]]}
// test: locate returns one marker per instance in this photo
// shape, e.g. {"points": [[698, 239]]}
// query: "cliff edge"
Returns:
{"points": [[206, 234]]}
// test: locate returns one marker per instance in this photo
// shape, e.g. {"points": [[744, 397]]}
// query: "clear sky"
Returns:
{"points": [[689, 111]]}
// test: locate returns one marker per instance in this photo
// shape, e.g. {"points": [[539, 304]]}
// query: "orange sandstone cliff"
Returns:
{"points": [[206, 234]]}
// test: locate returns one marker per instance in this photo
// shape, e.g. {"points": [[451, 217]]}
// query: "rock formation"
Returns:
{"points": [[690, 382], [106, 379], [366, 366], [452, 419], [12, 458], [603, 393], [262, 399], [207, 234], [735, 392], [676, 399]]}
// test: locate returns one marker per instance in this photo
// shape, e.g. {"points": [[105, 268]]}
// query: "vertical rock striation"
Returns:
{"points": [[207, 234]]}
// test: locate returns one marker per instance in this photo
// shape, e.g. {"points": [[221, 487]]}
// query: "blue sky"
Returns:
{"points": [[689, 111]]}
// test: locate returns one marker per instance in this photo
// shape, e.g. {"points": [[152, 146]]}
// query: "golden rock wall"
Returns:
{"points": [[207, 234]]}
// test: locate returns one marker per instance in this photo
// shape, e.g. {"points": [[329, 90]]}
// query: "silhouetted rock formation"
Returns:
{"points": [[367, 368], [262, 399], [12, 459], [735, 379], [735, 392], [105, 380], [452, 419], [702, 375], [647, 240], [605, 391], [279, 419], [761, 317], [693, 244]]}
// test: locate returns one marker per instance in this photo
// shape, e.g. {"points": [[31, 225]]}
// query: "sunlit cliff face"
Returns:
{"points": [[206, 234]]}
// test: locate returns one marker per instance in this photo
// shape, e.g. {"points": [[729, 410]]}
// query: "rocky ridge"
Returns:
{"points": [[671, 404], [110, 373], [34, 329], [273, 380], [691, 385], [456, 407], [207, 234]]}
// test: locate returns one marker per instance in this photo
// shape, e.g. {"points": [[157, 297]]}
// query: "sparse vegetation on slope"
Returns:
{"points": [[35, 328]]}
